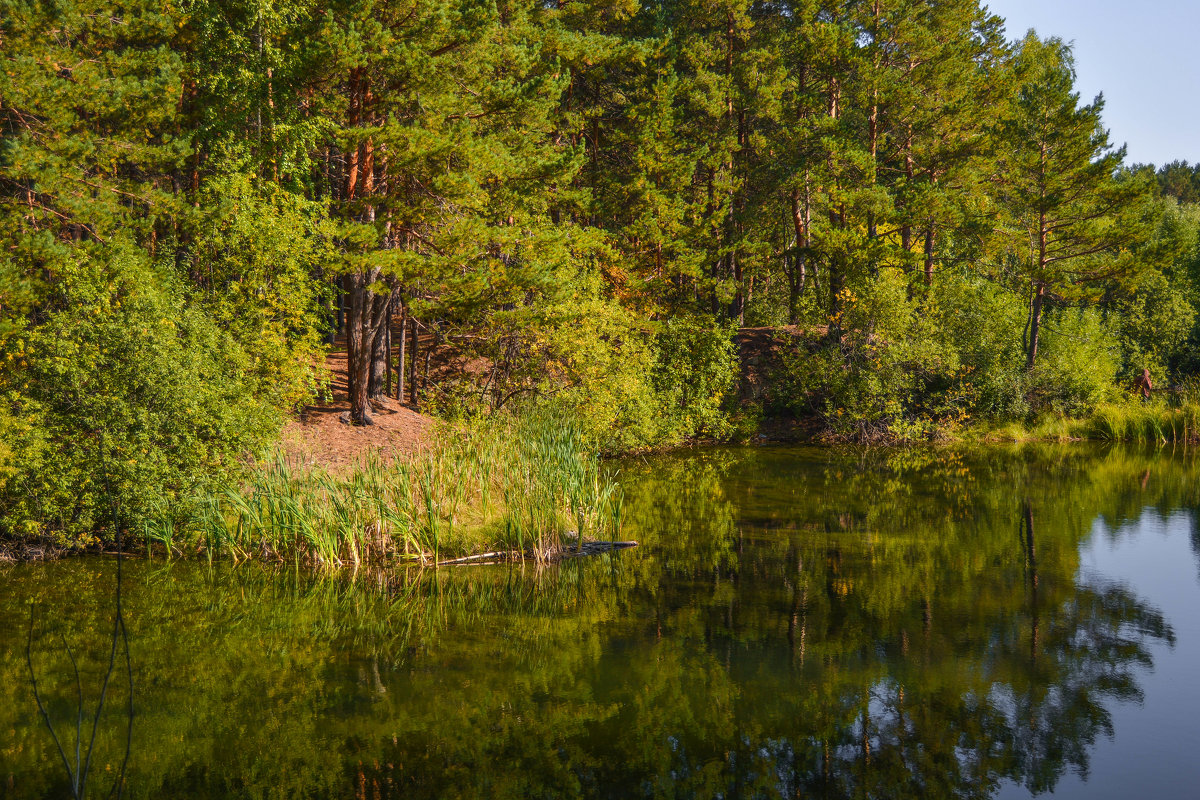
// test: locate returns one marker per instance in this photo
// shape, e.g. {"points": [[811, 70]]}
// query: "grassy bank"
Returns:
{"points": [[516, 487], [1151, 423]]}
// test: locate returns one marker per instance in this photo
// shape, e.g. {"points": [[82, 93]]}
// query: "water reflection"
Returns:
{"points": [[796, 623]]}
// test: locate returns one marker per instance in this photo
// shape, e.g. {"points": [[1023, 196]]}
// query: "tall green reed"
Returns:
{"points": [[519, 486]]}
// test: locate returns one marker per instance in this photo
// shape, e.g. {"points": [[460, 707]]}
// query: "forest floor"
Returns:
{"points": [[317, 436]]}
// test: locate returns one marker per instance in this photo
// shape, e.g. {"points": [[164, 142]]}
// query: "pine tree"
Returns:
{"points": [[1071, 221], [939, 79], [86, 139], [443, 117]]}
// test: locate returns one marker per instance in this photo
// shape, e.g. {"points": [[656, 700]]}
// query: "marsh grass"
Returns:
{"points": [[1159, 422], [1048, 428], [1156, 422], [521, 487]]}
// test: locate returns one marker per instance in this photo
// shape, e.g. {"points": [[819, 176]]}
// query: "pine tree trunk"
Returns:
{"points": [[837, 220], [737, 306], [400, 358], [365, 320], [794, 286], [799, 272], [367, 311], [358, 353], [387, 351], [731, 269], [339, 290], [378, 372], [873, 127], [710, 214], [1039, 297], [1035, 323], [930, 234], [425, 366], [906, 227], [412, 373]]}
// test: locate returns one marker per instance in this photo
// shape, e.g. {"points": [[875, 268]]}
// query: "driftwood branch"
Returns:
{"points": [[572, 550]]}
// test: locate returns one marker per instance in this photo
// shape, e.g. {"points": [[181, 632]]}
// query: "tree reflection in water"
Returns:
{"points": [[796, 623]]}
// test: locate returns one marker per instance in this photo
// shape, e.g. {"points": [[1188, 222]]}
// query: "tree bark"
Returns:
{"points": [[732, 268], [428, 356], [412, 374], [906, 227], [379, 366], [367, 312], [339, 288], [366, 317], [400, 358], [930, 235], [798, 275], [1035, 322], [387, 349], [1035, 316]]}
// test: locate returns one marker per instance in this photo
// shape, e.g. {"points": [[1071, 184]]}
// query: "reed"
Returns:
{"points": [[516, 486], [1162, 421], [1157, 422]]}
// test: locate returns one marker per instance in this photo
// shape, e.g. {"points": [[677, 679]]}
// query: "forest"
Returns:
{"points": [[585, 200]]}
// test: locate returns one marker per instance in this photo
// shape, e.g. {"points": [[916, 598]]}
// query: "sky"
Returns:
{"points": [[1145, 58]]}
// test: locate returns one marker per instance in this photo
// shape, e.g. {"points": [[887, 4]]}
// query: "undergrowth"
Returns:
{"points": [[523, 487], [1154, 422]]}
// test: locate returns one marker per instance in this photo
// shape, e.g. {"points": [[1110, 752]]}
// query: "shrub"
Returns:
{"points": [[889, 371], [125, 397], [1077, 363], [695, 368]]}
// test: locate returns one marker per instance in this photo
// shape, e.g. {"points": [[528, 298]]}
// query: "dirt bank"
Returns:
{"points": [[319, 437]]}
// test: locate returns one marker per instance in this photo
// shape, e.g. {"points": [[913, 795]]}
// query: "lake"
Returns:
{"points": [[797, 622]]}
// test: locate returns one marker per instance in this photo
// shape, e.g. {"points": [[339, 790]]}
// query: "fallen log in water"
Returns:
{"points": [[593, 549], [568, 550]]}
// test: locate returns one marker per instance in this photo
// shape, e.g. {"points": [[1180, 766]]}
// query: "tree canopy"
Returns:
{"points": [[582, 200]]}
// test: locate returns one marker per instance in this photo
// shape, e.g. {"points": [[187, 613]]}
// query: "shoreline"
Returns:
{"points": [[551, 547]]}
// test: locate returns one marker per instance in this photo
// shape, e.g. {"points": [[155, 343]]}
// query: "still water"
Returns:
{"points": [[796, 623]]}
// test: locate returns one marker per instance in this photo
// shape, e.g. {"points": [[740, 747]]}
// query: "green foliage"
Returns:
{"points": [[891, 368], [911, 369], [694, 371], [977, 318], [632, 385], [1155, 322], [127, 401], [255, 259], [1155, 316], [581, 203], [656, 388], [1077, 366], [1180, 180]]}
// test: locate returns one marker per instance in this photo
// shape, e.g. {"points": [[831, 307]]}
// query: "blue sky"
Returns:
{"points": [[1144, 56]]}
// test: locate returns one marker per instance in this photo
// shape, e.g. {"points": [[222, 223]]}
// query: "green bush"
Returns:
{"points": [[252, 260], [125, 398], [1076, 366], [1152, 326], [646, 387], [695, 369], [982, 323], [890, 371]]}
